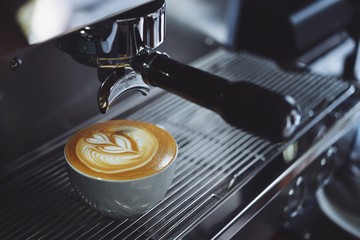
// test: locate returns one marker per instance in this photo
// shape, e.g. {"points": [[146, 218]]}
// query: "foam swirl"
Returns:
{"points": [[124, 150], [121, 149]]}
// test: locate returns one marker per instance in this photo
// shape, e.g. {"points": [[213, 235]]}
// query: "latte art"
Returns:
{"points": [[118, 152], [121, 149]]}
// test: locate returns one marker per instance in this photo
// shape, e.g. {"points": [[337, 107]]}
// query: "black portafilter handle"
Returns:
{"points": [[242, 104]]}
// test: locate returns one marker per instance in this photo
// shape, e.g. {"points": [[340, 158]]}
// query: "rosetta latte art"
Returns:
{"points": [[117, 152]]}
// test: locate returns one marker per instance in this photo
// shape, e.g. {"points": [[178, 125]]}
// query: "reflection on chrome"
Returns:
{"points": [[290, 152]]}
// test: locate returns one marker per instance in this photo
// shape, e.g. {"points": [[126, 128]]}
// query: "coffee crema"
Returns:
{"points": [[121, 150]]}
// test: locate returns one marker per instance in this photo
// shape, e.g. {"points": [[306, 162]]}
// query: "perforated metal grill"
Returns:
{"points": [[38, 200]]}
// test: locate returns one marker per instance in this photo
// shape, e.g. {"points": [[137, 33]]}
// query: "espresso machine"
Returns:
{"points": [[262, 97]]}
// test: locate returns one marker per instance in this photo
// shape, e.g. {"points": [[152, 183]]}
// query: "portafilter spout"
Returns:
{"points": [[111, 44]]}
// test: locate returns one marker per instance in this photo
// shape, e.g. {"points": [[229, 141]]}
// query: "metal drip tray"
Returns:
{"points": [[215, 166]]}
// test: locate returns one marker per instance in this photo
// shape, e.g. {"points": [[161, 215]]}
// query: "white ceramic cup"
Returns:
{"points": [[122, 198]]}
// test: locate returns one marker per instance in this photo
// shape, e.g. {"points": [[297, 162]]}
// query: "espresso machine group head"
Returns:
{"points": [[110, 46], [122, 49]]}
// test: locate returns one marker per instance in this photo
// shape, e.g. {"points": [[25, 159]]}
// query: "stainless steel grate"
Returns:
{"points": [[38, 200]]}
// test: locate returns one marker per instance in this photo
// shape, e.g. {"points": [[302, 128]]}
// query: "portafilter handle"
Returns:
{"points": [[242, 104], [122, 43]]}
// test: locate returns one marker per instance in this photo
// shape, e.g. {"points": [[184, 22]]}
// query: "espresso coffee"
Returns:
{"points": [[121, 150]]}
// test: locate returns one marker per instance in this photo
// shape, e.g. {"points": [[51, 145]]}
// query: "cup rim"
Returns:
{"points": [[123, 180]]}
